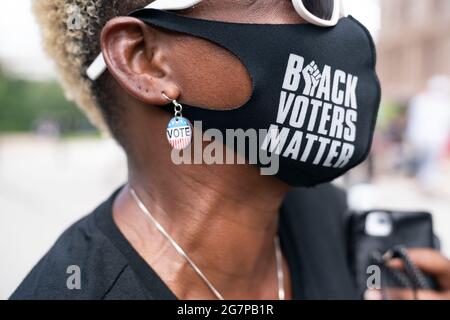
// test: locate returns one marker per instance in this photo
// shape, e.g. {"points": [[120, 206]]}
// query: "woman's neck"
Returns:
{"points": [[224, 217]]}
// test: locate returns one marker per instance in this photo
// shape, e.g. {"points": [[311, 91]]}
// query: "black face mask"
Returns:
{"points": [[315, 89]]}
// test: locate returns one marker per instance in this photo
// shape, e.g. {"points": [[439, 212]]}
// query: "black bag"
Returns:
{"points": [[378, 235]]}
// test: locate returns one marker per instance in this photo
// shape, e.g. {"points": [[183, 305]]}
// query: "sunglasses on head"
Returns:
{"points": [[323, 13]]}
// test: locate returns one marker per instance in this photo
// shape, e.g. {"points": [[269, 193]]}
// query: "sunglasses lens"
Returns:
{"points": [[322, 9]]}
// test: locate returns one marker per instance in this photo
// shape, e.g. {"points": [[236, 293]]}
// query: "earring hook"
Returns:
{"points": [[165, 96], [178, 106]]}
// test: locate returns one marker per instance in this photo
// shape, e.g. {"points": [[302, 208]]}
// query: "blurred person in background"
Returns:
{"points": [[209, 231], [428, 131]]}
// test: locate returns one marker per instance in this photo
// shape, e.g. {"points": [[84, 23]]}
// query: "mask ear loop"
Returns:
{"points": [[98, 66]]}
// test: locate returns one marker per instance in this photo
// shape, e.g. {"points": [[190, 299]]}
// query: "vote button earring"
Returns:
{"points": [[179, 129]]}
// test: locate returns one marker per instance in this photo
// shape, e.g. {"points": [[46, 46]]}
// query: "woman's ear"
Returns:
{"points": [[138, 59]]}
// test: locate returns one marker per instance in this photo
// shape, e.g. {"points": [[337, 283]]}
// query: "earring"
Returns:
{"points": [[179, 129]]}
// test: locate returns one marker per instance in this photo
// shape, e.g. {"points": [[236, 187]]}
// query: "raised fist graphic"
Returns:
{"points": [[312, 76]]}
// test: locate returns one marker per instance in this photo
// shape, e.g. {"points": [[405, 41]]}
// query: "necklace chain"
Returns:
{"points": [[181, 252]]}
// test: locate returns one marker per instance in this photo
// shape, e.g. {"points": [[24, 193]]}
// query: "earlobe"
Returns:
{"points": [[138, 60]]}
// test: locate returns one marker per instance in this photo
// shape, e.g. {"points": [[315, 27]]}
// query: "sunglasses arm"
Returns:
{"points": [[311, 18]]}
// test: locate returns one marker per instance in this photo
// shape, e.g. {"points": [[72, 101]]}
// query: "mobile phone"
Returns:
{"points": [[374, 232]]}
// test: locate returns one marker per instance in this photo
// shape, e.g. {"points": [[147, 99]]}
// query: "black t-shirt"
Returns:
{"points": [[312, 236]]}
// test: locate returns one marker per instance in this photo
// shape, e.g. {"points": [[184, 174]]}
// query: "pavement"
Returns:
{"points": [[47, 184]]}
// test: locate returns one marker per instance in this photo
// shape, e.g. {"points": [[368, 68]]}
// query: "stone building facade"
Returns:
{"points": [[413, 45]]}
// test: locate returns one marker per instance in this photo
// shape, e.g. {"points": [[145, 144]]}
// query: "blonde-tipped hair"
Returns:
{"points": [[71, 34]]}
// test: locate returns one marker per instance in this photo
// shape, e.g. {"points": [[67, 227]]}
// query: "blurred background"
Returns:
{"points": [[55, 168]]}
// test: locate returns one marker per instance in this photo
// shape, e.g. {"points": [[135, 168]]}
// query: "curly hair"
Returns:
{"points": [[71, 37]]}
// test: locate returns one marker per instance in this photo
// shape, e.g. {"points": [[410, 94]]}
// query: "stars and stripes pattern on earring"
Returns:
{"points": [[179, 133]]}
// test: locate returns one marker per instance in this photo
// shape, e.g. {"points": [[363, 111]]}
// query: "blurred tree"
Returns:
{"points": [[24, 104]]}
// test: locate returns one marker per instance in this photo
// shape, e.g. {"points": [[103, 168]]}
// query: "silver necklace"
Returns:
{"points": [[160, 228]]}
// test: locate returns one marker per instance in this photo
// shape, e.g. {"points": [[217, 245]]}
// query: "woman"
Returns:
{"points": [[207, 231]]}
